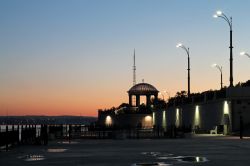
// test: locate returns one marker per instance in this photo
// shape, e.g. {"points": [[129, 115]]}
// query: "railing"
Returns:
{"points": [[13, 135]]}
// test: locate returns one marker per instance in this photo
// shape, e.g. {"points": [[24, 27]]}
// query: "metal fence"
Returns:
{"points": [[13, 135]]}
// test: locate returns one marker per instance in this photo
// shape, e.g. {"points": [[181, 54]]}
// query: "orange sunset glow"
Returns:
{"points": [[73, 58]]}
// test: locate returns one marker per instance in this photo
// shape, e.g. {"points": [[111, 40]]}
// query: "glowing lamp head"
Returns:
{"points": [[219, 13], [178, 45], [148, 118], [108, 121], [214, 65], [215, 15], [243, 53], [226, 108]]}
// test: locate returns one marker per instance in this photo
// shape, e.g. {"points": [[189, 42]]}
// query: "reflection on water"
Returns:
{"points": [[193, 159], [68, 142], [56, 150], [157, 154], [32, 157], [170, 158], [151, 153], [151, 164]]}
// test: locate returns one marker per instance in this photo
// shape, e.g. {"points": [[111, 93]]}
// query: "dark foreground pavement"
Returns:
{"points": [[220, 151]]}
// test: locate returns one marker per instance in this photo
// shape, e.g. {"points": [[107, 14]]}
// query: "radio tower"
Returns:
{"points": [[134, 70]]}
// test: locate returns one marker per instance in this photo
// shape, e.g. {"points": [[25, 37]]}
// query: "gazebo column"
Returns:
{"points": [[137, 100], [130, 100], [156, 96], [148, 100]]}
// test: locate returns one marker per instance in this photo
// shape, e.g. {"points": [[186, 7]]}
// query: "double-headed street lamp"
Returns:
{"points": [[220, 69], [229, 21], [187, 51], [245, 53]]}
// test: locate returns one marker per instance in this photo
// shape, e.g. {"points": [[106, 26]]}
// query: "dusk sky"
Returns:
{"points": [[73, 57]]}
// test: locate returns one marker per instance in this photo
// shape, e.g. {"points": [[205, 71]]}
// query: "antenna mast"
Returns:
{"points": [[134, 71]]}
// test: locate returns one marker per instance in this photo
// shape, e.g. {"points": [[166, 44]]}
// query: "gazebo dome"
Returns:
{"points": [[142, 89]]}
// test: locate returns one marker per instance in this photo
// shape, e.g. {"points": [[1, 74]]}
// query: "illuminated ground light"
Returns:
{"points": [[177, 117], [32, 157], [226, 120], [108, 121], [153, 118], [148, 118], [68, 142], [56, 150], [148, 121], [226, 108], [197, 116], [164, 124]]}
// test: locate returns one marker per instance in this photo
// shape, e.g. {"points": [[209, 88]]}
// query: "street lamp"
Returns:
{"points": [[220, 69], [187, 51], [245, 53], [229, 21]]}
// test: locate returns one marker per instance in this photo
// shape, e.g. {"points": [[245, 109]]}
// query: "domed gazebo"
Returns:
{"points": [[142, 89]]}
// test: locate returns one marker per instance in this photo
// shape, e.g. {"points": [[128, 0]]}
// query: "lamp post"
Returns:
{"points": [[187, 51], [220, 69], [245, 53], [229, 21]]}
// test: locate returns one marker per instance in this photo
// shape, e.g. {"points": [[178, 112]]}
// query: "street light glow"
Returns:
{"points": [[217, 66], [177, 117], [243, 53], [148, 118], [148, 122], [219, 13], [108, 121], [178, 45], [164, 122], [226, 108], [197, 116], [214, 65]]}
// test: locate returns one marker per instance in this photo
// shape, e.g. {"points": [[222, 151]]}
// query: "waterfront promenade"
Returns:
{"points": [[221, 151]]}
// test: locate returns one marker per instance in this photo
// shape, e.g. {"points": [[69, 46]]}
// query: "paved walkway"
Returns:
{"points": [[220, 151]]}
